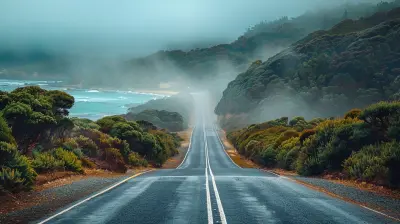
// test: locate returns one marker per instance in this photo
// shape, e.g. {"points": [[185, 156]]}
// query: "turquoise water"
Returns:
{"points": [[89, 103]]}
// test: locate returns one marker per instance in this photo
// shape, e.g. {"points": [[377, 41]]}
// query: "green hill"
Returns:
{"points": [[354, 64]]}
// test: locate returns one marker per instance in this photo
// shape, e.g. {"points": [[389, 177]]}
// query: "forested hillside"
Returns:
{"points": [[353, 64], [258, 42], [172, 121]]}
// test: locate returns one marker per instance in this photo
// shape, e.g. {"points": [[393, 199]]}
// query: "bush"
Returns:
{"points": [[135, 159], [12, 180], [71, 161], [306, 134], [376, 163], [88, 163], [269, 157], [87, 145], [70, 144], [353, 113], [85, 123], [285, 136], [115, 160], [45, 162], [11, 159], [5, 132], [78, 152]]}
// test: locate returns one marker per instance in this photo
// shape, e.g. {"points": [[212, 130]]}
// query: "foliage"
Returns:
{"points": [[71, 161], [5, 132], [88, 163], [12, 180], [353, 113], [45, 162], [376, 163], [115, 160], [134, 159], [85, 123], [16, 169], [87, 145], [35, 115], [171, 121], [350, 144], [70, 144]]}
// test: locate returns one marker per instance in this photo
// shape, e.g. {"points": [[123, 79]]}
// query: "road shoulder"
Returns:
{"points": [[50, 196]]}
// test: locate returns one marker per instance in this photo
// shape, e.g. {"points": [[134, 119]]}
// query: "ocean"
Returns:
{"points": [[89, 103]]}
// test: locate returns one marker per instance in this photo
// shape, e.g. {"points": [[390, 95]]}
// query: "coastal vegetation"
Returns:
{"points": [[37, 136], [362, 145]]}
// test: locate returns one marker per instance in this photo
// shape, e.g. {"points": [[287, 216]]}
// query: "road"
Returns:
{"points": [[209, 188]]}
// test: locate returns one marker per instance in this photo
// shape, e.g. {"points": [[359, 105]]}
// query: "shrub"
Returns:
{"points": [[308, 161], [78, 152], [11, 159], [88, 163], [12, 180], [306, 134], [85, 123], [71, 161], [5, 132], [353, 113], [70, 144], [89, 148], [290, 159], [376, 163], [135, 159], [285, 136], [45, 162], [115, 160], [269, 157], [379, 116]]}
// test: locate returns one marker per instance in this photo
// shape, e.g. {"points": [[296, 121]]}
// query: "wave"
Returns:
{"points": [[92, 91], [9, 82]]}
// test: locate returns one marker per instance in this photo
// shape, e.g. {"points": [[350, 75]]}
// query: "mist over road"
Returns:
{"points": [[209, 188]]}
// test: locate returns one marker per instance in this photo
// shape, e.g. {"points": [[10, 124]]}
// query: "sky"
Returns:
{"points": [[136, 27]]}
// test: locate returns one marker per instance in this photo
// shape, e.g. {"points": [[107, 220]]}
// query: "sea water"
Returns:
{"points": [[89, 103]]}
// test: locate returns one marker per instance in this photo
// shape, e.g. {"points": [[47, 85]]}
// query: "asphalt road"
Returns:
{"points": [[209, 188]]}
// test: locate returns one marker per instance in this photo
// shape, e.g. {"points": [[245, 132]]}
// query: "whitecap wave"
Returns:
{"points": [[92, 91]]}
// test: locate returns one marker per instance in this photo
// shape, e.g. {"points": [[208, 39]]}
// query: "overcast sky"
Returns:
{"points": [[136, 26]]}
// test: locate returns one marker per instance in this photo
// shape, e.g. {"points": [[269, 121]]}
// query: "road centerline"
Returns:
{"points": [[217, 197]]}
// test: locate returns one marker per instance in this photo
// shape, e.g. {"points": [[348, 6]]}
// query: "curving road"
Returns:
{"points": [[209, 188]]}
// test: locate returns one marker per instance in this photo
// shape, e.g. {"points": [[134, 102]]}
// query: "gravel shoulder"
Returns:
{"points": [[385, 204], [40, 203]]}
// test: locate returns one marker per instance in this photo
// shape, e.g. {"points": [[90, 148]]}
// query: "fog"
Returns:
{"points": [[136, 27]]}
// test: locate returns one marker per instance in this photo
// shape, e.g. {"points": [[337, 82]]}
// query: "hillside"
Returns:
{"points": [[259, 42], [181, 68], [181, 103], [354, 64], [172, 121]]}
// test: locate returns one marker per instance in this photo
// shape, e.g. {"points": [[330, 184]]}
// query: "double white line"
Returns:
{"points": [[218, 199]]}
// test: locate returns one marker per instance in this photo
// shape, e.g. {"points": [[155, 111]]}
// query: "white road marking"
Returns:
{"points": [[217, 198], [91, 197], [223, 148], [209, 209], [189, 147]]}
